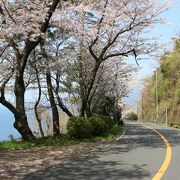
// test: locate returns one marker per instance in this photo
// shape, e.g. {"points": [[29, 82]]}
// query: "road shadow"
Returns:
{"points": [[105, 164], [138, 136], [91, 168], [171, 134]]}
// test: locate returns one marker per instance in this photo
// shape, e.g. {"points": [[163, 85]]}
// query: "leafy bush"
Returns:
{"points": [[108, 120], [98, 126], [131, 116], [79, 127], [120, 123]]}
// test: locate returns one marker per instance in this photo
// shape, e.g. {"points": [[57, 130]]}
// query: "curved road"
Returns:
{"points": [[139, 154]]}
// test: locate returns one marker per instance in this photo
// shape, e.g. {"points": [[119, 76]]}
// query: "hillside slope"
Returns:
{"points": [[161, 95]]}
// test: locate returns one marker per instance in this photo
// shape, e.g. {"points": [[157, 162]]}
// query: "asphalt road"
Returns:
{"points": [[138, 155]]}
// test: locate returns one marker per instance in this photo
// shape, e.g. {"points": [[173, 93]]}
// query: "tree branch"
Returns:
{"points": [[8, 12], [98, 31], [30, 45], [3, 101]]}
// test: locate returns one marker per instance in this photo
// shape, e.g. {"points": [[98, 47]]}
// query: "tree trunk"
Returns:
{"points": [[22, 127], [38, 118], [63, 107], [88, 113], [83, 108], [88, 109], [21, 123], [54, 109], [60, 103], [91, 83], [55, 113], [40, 128]]}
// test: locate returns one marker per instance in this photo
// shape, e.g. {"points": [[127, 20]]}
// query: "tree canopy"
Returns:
{"points": [[70, 49]]}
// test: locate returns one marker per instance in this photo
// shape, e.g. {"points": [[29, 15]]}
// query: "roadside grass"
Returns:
{"points": [[176, 126], [64, 140]]}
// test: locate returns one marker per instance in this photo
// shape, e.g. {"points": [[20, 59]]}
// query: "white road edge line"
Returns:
{"points": [[106, 145], [121, 136]]}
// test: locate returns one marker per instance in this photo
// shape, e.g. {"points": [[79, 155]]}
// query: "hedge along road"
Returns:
{"points": [[141, 153]]}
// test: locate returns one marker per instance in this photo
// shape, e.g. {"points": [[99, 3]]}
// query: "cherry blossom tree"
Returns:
{"points": [[113, 28], [23, 23], [111, 79], [106, 29]]}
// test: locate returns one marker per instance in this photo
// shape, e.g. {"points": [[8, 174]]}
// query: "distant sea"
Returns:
{"points": [[7, 118], [6, 124]]}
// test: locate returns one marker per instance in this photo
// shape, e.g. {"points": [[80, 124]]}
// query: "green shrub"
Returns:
{"points": [[79, 127], [98, 126], [108, 120], [121, 122]]}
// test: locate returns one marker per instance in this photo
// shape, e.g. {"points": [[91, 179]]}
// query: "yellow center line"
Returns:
{"points": [[167, 160]]}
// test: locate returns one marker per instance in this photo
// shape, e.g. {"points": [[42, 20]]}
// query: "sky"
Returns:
{"points": [[165, 32]]}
